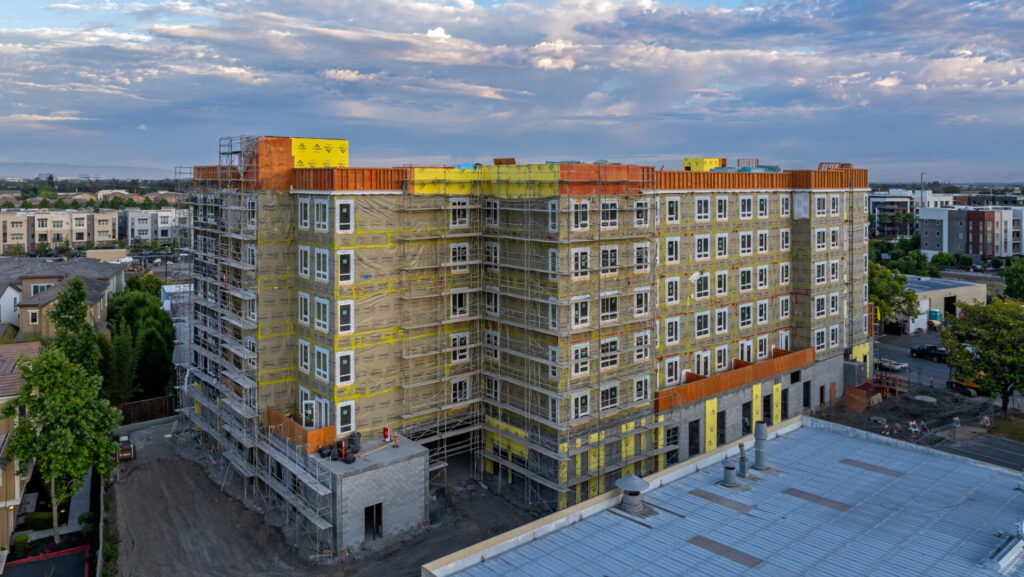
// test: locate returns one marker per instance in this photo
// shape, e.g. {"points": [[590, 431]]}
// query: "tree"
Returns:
{"points": [[154, 339], [73, 333], [7, 204], [118, 364], [887, 290], [25, 204], [44, 203], [996, 263], [1014, 277], [943, 259], [916, 263], [984, 345], [66, 427], [964, 260]]}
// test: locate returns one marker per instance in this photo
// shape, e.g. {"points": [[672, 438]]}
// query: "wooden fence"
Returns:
{"points": [[147, 409]]}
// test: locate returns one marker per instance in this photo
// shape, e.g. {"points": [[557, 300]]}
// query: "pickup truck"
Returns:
{"points": [[125, 447], [890, 365], [933, 352]]}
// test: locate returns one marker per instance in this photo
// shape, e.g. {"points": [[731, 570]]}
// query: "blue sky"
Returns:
{"points": [[897, 86]]}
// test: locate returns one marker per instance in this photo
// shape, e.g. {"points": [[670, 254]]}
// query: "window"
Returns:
{"points": [[250, 257], [609, 353], [833, 234], [460, 304], [762, 241], [304, 213], [722, 245], [38, 288], [865, 294], [784, 205], [491, 388], [702, 247], [609, 260], [702, 363], [721, 320], [460, 390], [321, 363], [721, 208], [784, 340], [304, 308], [343, 221], [865, 323], [580, 314], [833, 304], [460, 347], [580, 405], [580, 263], [672, 290], [609, 309], [641, 388], [835, 205], [819, 340], [553, 360], [320, 218], [492, 342], [642, 213], [492, 303], [672, 331], [672, 209], [721, 282], [580, 359], [344, 360], [819, 239], [819, 272], [762, 346], [722, 358], [320, 314], [746, 243], [304, 356], [864, 229], [458, 212], [762, 276], [833, 270], [345, 274], [819, 306], [641, 257], [746, 281], [784, 239], [672, 375], [865, 264], [702, 208], [320, 264], [303, 261], [344, 317], [641, 346], [820, 208], [492, 256], [492, 212], [460, 256], [642, 303], [833, 336], [609, 214], [33, 317], [672, 250], [346, 421], [553, 264], [746, 315], [552, 216], [784, 307], [762, 207], [745, 350], [552, 316], [784, 273], [762, 312], [702, 324], [702, 286], [746, 207]]}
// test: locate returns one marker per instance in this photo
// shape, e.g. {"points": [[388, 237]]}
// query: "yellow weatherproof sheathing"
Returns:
{"points": [[755, 402], [320, 152], [710, 424], [776, 403]]}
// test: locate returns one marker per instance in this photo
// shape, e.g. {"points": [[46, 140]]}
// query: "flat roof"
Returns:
{"points": [[837, 501], [927, 283]]}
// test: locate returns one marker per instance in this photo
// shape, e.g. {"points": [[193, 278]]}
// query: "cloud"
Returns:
{"points": [[69, 7], [345, 75], [438, 34]]}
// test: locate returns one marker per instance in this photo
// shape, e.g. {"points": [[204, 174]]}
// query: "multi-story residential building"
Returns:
{"points": [[553, 326], [25, 231], [14, 232], [12, 484], [892, 216], [982, 232], [163, 225]]}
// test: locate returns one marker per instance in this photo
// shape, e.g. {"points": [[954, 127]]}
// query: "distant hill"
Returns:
{"points": [[34, 169]]}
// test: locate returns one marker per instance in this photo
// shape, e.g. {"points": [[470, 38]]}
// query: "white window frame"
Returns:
{"points": [[641, 257], [820, 342], [672, 250], [612, 208], [820, 205], [580, 405], [749, 273], [459, 347], [721, 208], [492, 212], [783, 239], [458, 213], [456, 308], [748, 212], [705, 280], [784, 273], [784, 342], [305, 308], [762, 276], [702, 325], [746, 242], [459, 390], [305, 261], [321, 257], [580, 263], [836, 205], [553, 264], [762, 242], [553, 215], [580, 360], [492, 255], [785, 205], [580, 313], [305, 354], [342, 429], [820, 272], [673, 374], [833, 271], [820, 306], [722, 248], [672, 331], [492, 303], [672, 210], [702, 209], [609, 358], [459, 256], [342, 328], [339, 378], [609, 316], [492, 344], [833, 237], [763, 206], [833, 304], [722, 358], [321, 305], [745, 309], [672, 290], [762, 347], [721, 282], [338, 227], [784, 308], [700, 253], [764, 308], [721, 320], [820, 238], [641, 213], [833, 336], [321, 373], [702, 363], [641, 303], [641, 388], [609, 260], [303, 213], [641, 346], [745, 350], [580, 214], [321, 215]]}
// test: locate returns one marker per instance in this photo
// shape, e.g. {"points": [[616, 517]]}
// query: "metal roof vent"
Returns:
{"points": [[729, 475], [1006, 555], [761, 445], [631, 487]]}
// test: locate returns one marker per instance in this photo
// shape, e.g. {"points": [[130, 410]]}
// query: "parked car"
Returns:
{"points": [[933, 352], [890, 365], [125, 447]]}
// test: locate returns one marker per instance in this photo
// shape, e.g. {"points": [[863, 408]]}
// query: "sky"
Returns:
{"points": [[896, 86]]}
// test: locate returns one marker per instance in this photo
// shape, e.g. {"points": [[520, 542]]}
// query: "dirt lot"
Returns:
{"points": [[173, 519]]}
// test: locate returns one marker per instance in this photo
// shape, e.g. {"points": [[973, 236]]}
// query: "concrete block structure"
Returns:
{"points": [[555, 326]]}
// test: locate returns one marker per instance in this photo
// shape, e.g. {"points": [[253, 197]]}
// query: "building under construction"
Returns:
{"points": [[547, 327]]}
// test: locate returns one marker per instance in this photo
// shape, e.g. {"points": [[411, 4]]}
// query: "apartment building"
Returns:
{"points": [[163, 225], [12, 484], [982, 232], [554, 326], [24, 231]]}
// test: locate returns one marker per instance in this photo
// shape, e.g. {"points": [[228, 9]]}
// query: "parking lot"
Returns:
{"points": [[920, 371]]}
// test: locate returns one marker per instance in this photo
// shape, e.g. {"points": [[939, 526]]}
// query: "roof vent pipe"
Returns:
{"points": [[742, 472], [729, 475], [631, 487], [761, 445]]}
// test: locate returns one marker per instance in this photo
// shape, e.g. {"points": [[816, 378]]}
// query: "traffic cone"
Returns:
{"points": [[396, 439]]}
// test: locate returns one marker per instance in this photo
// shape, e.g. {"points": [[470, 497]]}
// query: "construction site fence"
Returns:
{"points": [[146, 409]]}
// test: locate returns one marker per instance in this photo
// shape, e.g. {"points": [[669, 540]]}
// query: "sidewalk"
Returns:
{"points": [[79, 504]]}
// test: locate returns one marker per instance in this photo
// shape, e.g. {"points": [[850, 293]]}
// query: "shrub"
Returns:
{"points": [[39, 520], [19, 545], [996, 263]]}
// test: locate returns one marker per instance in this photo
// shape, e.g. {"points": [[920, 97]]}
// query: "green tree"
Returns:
{"points": [[7, 204], [888, 291], [1014, 277], [118, 364], [996, 263], [25, 204], [66, 427], [984, 344], [154, 339], [964, 260], [73, 333], [914, 262], [44, 203], [943, 259], [43, 246]]}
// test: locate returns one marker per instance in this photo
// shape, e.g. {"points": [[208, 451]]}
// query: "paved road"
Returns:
{"points": [[995, 450], [921, 371]]}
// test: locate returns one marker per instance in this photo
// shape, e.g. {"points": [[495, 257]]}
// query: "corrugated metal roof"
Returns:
{"points": [[927, 283], [911, 513]]}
